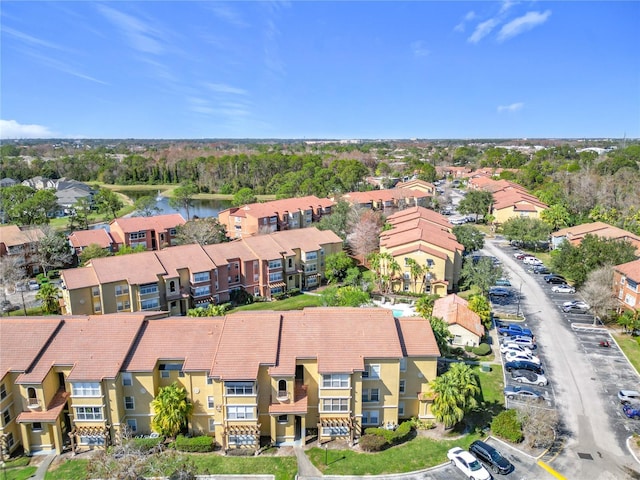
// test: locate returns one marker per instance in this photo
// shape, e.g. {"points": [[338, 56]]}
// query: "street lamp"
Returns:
{"points": [[325, 454], [519, 297]]}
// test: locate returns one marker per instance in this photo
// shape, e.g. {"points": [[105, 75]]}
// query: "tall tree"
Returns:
{"points": [[49, 295], [92, 251], [365, 233], [455, 394], [54, 250], [480, 305], [441, 333], [526, 230], [556, 216], [481, 274], [597, 292], [183, 197], [470, 237], [203, 231], [476, 202], [244, 196], [147, 206], [337, 265], [108, 202], [339, 220], [417, 272], [79, 215], [171, 409]]}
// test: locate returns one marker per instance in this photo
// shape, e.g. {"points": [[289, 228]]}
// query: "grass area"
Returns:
{"points": [[297, 302], [417, 454], [18, 473], [283, 468], [630, 347], [68, 470]]}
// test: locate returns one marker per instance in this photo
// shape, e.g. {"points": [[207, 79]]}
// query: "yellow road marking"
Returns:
{"points": [[551, 470]]}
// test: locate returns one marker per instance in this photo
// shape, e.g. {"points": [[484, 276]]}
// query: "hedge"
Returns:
{"points": [[389, 437], [196, 444], [145, 444], [506, 425], [372, 443], [482, 349]]}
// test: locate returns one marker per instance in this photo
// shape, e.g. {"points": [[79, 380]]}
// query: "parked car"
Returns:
{"points": [[523, 365], [468, 464], [527, 376], [516, 392], [540, 269], [577, 308], [522, 340], [491, 457], [631, 410], [7, 306], [33, 285], [503, 282], [499, 292], [563, 288], [519, 255], [514, 329], [554, 279], [514, 347], [512, 356], [576, 303], [628, 396]]}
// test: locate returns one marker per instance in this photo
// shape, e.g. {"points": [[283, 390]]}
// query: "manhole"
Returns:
{"points": [[585, 456]]}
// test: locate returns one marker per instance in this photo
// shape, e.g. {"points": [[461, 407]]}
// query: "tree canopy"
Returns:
{"points": [[470, 237], [527, 230], [183, 197], [203, 231], [476, 202], [171, 410]]}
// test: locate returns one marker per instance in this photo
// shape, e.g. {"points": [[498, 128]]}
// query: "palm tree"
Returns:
{"points": [[172, 409], [441, 333], [455, 394], [48, 293], [416, 271]]}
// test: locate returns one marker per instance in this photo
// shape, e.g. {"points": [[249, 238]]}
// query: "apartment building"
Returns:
{"points": [[626, 278], [389, 199], [574, 235], [188, 276], [154, 233], [274, 216], [426, 237], [21, 244], [252, 377]]}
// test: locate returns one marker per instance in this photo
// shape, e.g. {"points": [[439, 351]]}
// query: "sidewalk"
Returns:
{"points": [[306, 469], [43, 467]]}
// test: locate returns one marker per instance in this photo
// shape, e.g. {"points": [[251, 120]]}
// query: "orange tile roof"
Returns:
{"points": [[508, 198], [180, 257], [601, 229], [269, 209], [420, 248], [21, 339], [339, 338], [417, 338], [135, 268], [454, 310], [81, 277], [267, 248], [50, 414], [581, 229], [422, 231], [158, 223], [630, 270], [84, 238], [414, 213], [299, 404], [442, 305], [95, 346], [248, 340], [222, 253], [193, 340], [13, 236], [306, 239]]}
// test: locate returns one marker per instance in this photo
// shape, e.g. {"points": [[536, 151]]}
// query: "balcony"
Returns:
{"points": [[33, 404], [283, 396]]}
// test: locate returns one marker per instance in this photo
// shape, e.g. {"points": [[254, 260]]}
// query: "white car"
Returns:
{"points": [[576, 304], [520, 340], [564, 288], [629, 396], [514, 347], [33, 285], [512, 356], [468, 464]]}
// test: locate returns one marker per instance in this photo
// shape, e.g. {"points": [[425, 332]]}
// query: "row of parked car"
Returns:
{"points": [[477, 462]]}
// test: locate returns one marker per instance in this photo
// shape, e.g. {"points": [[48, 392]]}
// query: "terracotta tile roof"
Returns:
{"points": [[269, 209], [581, 229], [248, 340], [423, 231], [442, 305], [384, 195], [505, 199], [266, 247], [416, 337], [420, 248], [193, 340], [415, 213], [159, 223], [135, 268], [95, 346], [299, 404], [454, 310], [13, 236], [306, 239], [630, 270], [84, 238], [222, 253], [601, 229], [416, 184], [21, 339], [81, 277], [339, 338], [50, 414], [180, 257]]}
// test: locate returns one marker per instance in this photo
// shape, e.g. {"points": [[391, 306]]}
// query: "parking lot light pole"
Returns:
{"points": [[519, 296]]}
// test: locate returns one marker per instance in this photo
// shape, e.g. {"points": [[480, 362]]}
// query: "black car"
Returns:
{"points": [[523, 365], [491, 457], [555, 279], [541, 269]]}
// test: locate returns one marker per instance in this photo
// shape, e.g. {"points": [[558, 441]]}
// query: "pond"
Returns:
{"points": [[200, 208]]}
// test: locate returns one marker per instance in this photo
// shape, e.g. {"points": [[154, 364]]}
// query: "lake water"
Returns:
{"points": [[199, 208]]}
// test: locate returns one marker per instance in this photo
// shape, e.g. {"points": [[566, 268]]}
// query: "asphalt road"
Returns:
{"points": [[593, 441]]}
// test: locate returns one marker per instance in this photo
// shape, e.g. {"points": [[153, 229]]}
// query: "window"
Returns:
{"points": [[335, 380], [129, 403], [371, 371], [121, 306], [273, 219], [148, 289], [275, 264], [36, 426], [402, 386], [95, 291], [92, 440], [283, 418], [335, 431], [242, 440], [165, 374], [403, 364], [202, 291], [212, 425], [86, 389], [210, 402], [172, 231], [6, 416], [97, 308], [127, 379], [312, 280], [122, 290], [400, 409], [239, 388], [137, 235], [276, 290], [3, 391], [335, 404], [32, 396], [209, 381], [88, 413], [201, 277], [275, 277], [311, 255], [370, 417], [311, 268], [132, 423], [371, 395], [150, 304], [240, 412], [9, 440]]}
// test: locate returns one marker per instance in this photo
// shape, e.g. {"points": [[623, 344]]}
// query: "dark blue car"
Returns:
{"points": [[631, 411]]}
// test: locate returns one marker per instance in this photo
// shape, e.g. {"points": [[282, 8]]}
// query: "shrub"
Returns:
{"points": [[457, 351], [506, 425], [420, 424], [482, 349], [145, 444], [392, 437], [372, 443], [195, 444], [468, 348]]}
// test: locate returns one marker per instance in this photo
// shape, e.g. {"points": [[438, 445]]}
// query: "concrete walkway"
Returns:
{"points": [[306, 469], [43, 467]]}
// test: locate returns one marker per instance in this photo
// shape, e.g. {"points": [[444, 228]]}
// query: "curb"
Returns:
{"points": [[631, 450], [511, 446]]}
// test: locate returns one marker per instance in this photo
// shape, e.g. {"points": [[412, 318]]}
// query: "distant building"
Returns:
{"points": [[626, 278], [154, 233], [21, 244], [575, 234]]}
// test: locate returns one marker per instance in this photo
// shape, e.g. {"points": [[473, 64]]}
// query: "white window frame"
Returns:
{"points": [[368, 417], [211, 402], [335, 405], [3, 391], [132, 423], [402, 386], [400, 409], [86, 389], [239, 389], [212, 425], [240, 412], [336, 380], [403, 364], [129, 403], [371, 372], [242, 440], [335, 431], [88, 414], [7, 413], [200, 277]]}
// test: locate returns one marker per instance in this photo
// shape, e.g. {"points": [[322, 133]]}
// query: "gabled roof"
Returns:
{"points": [[630, 270], [13, 236], [306, 239], [513, 198], [180, 257], [222, 253], [84, 238], [416, 337], [455, 311], [22, 339], [159, 223], [267, 248], [95, 347], [269, 209], [414, 213], [81, 277], [575, 234], [421, 230], [135, 268]]}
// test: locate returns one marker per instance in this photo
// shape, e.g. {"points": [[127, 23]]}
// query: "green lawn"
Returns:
{"points": [[297, 302], [19, 473], [69, 470], [417, 454], [630, 347], [283, 468]]}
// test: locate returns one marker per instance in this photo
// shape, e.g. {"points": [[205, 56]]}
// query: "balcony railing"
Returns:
{"points": [[33, 404], [283, 396]]}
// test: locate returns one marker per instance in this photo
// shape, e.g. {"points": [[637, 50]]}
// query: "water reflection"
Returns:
{"points": [[199, 208]]}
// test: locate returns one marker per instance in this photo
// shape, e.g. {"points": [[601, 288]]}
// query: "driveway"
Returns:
{"points": [[594, 445]]}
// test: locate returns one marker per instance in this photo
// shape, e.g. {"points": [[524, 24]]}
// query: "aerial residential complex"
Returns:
{"points": [[252, 377]]}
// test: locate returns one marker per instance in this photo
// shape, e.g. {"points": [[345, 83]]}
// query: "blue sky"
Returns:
{"points": [[303, 69]]}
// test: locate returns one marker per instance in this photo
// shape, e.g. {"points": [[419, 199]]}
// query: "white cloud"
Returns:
{"points": [[228, 14], [514, 107], [523, 24], [506, 5], [418, 48], [483, 29], [467, 18], [31, 39], [141, 36], [10, 129], [222, 88]]}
